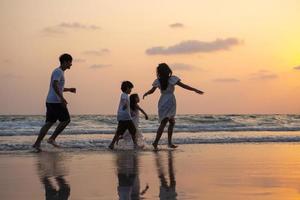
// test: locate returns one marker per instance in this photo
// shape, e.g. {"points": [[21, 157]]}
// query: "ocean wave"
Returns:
{"points": [[102, 144], [106, 124], [187, 129]]}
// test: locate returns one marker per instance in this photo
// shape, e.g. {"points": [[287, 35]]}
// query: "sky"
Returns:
{"points": [[245, 55]]}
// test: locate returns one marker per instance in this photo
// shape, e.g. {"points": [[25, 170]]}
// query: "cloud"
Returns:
{"points": [[99, 66], [76, 25], [194, 46], [263, 75], [53, 30], [10, 76], [182, 66], [6, 61], [97, 52], [64, 26], [297, 67], [79, 60], [226, 80], [176, 25], [258, 193]]}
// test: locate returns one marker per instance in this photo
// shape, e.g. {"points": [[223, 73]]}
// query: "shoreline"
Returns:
{"points": [[86, 142]]}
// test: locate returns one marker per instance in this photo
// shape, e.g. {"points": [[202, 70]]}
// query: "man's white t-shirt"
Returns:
{"points": [[124, 114], [57, 75]]}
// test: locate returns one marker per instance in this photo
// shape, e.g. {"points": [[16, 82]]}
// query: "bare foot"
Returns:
{"points": [[52, 142], [111, 147], [172, 146], [37, 148], [155, 146]]}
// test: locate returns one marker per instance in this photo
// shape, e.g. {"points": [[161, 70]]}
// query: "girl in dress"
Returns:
{"points": [[135, 114], [167, 102]]}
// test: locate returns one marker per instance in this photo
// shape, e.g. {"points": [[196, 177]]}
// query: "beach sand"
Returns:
{"points": [[196, 171]]}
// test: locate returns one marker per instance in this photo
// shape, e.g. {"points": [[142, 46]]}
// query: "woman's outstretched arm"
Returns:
{"points": [[187, 87], [149, 92]]}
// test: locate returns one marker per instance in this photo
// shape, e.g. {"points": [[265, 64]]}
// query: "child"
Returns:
{"points": [[134, 108], [167, 102], [124, 117]]}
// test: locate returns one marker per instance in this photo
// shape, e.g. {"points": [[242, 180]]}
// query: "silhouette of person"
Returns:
{"points": [[128, 176], [56, 104], [166, 190], [50, 166], [166, 83]]}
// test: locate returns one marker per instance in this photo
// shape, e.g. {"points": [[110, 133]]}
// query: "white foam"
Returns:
{"points": [[98, 142]]}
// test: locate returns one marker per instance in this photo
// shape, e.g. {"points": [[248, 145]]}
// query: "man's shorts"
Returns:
{"points": [[57, 111]]}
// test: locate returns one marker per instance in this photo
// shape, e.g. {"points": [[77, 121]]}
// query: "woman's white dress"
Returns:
{"points": [[167, 100]]}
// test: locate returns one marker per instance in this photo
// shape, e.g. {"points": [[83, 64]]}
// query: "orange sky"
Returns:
{"points": [[244, 55]]}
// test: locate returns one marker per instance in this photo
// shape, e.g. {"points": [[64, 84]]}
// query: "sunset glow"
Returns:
{"points": [[245, 56]]}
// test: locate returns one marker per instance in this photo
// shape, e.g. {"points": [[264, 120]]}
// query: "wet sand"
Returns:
{"points": [[202, 171]]}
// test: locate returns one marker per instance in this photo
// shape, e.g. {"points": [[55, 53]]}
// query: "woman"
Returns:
{"points": [[167, 101]]}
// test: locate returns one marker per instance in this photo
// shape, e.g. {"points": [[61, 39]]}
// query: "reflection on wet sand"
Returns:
{"points": [[52, 170], [166, 190], [128, 176]]}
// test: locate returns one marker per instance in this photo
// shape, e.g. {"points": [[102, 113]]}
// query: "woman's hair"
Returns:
{"points": [[163, 73], [133, 102]]}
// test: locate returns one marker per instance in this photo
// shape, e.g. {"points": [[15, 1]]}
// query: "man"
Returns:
{"points": [[56, 103]]}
